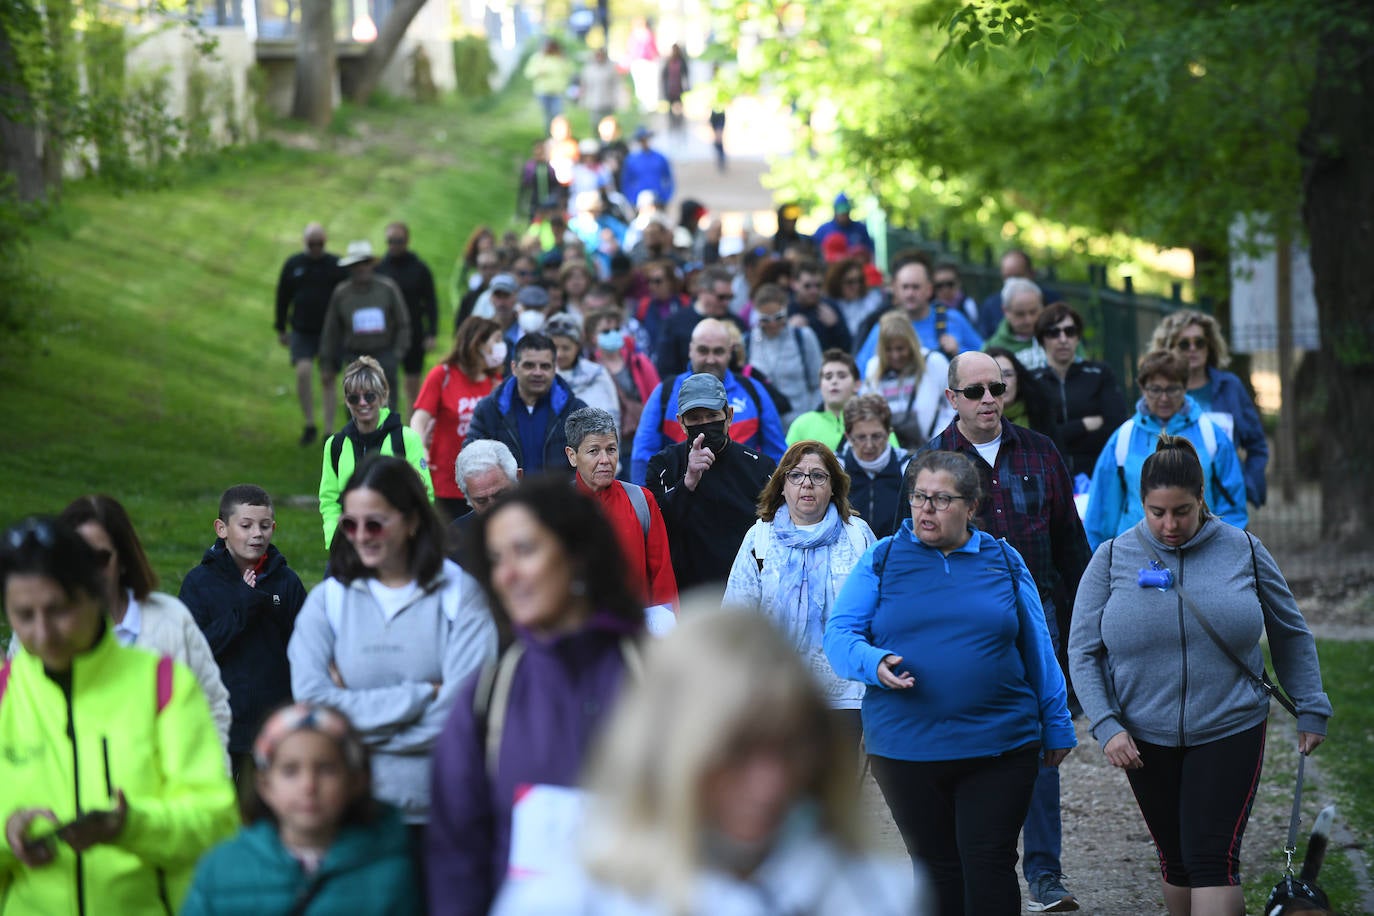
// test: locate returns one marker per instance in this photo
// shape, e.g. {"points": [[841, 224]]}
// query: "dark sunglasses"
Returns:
{"points": [[356, 398], [31, 529], [1066, 331], [1191, 343], [975, 392], [946, 284], [372, 526]]}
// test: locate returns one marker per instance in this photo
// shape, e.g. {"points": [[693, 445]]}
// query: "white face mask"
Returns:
{"points": [[497, 356], [531, 322]]}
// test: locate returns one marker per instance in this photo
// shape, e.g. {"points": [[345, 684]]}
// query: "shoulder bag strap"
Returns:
{"points": [[1269, 687]]}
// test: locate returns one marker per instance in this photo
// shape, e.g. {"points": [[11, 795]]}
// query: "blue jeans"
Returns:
{"points": [[1043, 835], [553, 106]]}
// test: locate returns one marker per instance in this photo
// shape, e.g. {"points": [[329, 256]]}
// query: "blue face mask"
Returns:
{"points": [[610, 340]]}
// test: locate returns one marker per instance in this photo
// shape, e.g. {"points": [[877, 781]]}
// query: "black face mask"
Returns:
{"points": [[715, 432]]}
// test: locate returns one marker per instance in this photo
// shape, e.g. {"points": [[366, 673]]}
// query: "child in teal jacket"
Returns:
{"points": [[322, 844]]}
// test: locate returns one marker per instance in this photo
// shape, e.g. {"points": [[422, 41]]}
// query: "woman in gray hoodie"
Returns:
{"points": [[1165, 701]]}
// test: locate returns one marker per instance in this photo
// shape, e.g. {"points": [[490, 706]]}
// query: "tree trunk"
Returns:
{"points": [[19, 144], [63, 91], [1337, 147], [315, 64], [389, 36]]}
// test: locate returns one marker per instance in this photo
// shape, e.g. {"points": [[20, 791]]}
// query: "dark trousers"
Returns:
{"points": [[961, 819], [1196, 802]]}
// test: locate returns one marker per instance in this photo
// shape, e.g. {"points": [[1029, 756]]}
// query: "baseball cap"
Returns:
{"points": [[701, 390], [503, 283]]}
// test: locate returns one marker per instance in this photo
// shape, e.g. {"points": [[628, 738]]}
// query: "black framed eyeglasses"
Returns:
{"points": [[976, 392], [360, 397], [941, 501], [1160, 391], [817, 478]]}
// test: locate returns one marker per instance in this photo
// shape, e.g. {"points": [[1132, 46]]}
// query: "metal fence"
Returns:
{"points": [[1118, 326]]}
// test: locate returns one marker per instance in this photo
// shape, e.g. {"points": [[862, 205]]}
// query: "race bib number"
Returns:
{"points": [[543, 829], [369, 321]]}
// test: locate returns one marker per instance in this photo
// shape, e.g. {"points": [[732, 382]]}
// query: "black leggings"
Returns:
{"points": [[1196, 802], [961, 819]]}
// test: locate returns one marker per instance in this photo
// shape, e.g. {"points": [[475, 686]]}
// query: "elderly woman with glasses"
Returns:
{"points": [[1197, 338], [1086, 401], [374, 428], [1165, 408], [944, 624], [795, 559]]}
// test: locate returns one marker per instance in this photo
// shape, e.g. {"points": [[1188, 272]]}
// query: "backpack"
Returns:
{"points": [[1123, 446], [492, 698], [851, 531], [336, 444], [640, 504]]}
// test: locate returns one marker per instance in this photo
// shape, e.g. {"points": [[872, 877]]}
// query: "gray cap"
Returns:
{"points": [[564, 325], [532, 297], [701, 390], [503, 282]]}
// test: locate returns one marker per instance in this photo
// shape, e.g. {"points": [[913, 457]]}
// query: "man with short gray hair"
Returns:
{"points": [[1022, 303], [593, 450], [485, 469]]}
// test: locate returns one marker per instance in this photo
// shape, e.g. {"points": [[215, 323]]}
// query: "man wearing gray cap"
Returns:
{"points": [[707, 486], [367, 316]]}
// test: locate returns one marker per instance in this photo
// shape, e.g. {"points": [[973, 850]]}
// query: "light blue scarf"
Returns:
{"points": [[805, 559]]}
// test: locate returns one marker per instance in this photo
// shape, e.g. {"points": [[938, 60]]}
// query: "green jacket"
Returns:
{"points": [[169, 763], [368, 871], [353, 445]]}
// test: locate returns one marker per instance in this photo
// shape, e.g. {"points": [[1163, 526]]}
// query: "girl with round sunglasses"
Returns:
{"points": [[373, 428], [388, 638]]}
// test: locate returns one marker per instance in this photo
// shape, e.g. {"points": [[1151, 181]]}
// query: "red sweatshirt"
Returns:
{"points": [[646, 559]]}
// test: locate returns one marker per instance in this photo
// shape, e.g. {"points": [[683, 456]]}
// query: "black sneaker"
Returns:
{"points": [[309, 434], [1048, 895]]}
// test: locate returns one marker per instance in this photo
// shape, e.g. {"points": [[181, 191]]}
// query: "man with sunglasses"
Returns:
{"points": [[715, 289], [303, 288], [1030, 503]]}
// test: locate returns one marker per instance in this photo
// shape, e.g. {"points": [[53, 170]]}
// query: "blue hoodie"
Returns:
{"points": [[1114, 497]]}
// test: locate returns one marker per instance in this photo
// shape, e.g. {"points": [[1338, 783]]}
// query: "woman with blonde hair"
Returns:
{"points": [[719, 788], [794, 561], [443, 411], [373, 428], [911, 380], [1221, 394]]}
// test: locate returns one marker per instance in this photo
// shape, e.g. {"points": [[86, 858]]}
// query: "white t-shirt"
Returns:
{"points": [[390, 599], [989, 450]]}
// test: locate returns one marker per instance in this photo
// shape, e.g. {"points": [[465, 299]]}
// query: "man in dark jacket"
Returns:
{"points": [[416, 281], [245, 599], [707, 486], [303, 288], [528, 410]]}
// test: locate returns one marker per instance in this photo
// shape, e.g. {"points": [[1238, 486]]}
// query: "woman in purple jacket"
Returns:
{"points": [[553, 571]]}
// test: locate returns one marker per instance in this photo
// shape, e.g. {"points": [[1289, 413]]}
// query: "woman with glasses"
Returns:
{"points": [[114, 781], [875, 466], [146, 619], [795, 559], [943, 622], [390, 636], [1087, 403], [911, 380], [789, 356], [372, 429], [1165, 408], [1221, 394]]}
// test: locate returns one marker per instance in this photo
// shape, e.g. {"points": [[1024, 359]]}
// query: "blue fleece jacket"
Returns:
{"points": [[1114, 497], [1225, 393], [986, 677]]}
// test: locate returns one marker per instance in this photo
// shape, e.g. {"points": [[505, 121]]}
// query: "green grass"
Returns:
{"points": [[1345, 774], [151, 371]]}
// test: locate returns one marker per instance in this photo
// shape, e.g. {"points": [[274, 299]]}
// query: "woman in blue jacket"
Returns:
{"points": [[944, 624], [1197, 338], [1114, 497]]}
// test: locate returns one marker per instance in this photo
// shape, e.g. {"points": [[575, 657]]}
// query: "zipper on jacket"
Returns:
{"points": [[68, 689], [1183, 655], [162, 892]]}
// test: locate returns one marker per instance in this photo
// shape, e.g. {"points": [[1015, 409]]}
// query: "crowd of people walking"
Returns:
{"points": [[618, 589]]}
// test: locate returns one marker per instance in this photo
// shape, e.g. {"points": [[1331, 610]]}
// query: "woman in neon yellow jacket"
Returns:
{"points": [[108, 800]]}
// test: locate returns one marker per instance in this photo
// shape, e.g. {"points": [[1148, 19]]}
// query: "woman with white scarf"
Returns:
{"points": [[795, 559]]}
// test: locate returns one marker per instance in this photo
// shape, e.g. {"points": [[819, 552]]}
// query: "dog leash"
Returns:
{"points": [[1291, 846]]}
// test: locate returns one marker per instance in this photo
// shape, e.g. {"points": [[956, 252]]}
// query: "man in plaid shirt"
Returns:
{"points": [[1030, 503]]}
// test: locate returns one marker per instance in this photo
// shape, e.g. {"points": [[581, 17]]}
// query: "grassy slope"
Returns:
{"points": [[151, 371]]}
